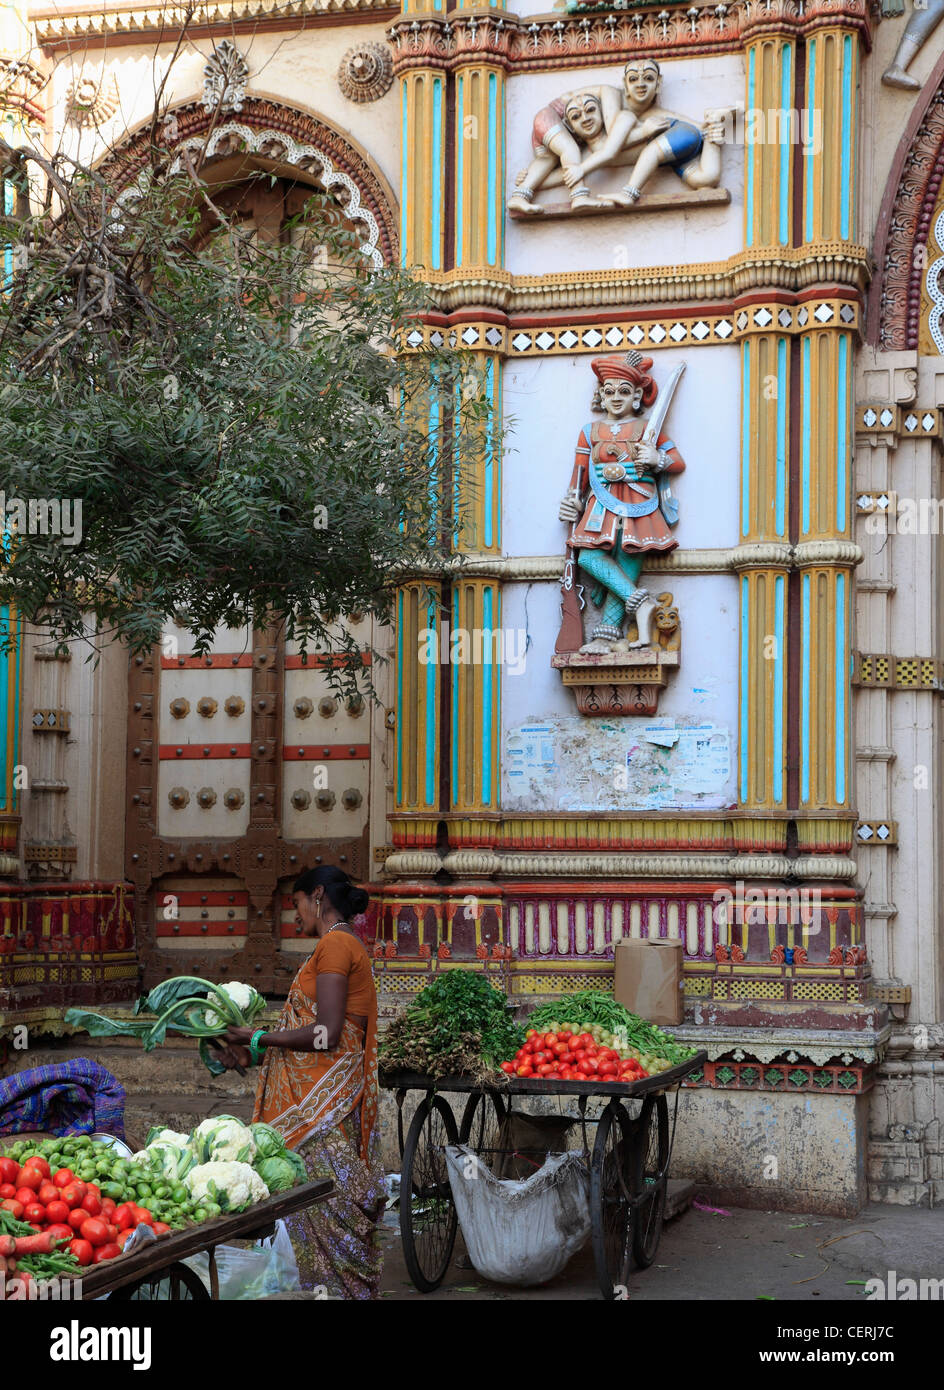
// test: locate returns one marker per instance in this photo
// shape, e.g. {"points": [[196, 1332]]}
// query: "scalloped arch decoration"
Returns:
{"points": [[288, 136]]}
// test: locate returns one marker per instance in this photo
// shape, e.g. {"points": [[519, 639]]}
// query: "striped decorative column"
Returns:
{"points": [[830, 125], [422, 192], [764, 522], [476, 692], [418, 676]]}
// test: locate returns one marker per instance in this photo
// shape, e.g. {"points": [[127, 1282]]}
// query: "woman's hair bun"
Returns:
{"points": [[355, 900]]}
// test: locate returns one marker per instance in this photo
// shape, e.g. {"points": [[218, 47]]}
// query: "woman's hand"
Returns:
{"points": [[234, 1056], [241, 1036]]}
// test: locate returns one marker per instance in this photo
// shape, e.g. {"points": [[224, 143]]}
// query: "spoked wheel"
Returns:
{"points": [[611, 1208], [481, 1120], [428, 1217], [650, 1178], [177, 1283]]}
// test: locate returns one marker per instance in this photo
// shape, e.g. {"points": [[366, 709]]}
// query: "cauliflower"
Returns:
{"points": [[224, 1139], [247, 1000], [167, 1136], [233, 1186], [170, 1160]]}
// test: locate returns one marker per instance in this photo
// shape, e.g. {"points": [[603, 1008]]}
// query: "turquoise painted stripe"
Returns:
{"points": [[489, 527], [805, 434], [487, 698], [848, 136], [807, 153], [493, 190], [431, 714], [455, 706], [749, 151], [745, 683], [779, 663], [400, 711], [457, 455], [842, 430], [786, 145], [404, 185], [840, 687], [501, 156], [780, 493], [437, 190], [805, 689], [460, 166], [745, 439], [433, 425]]}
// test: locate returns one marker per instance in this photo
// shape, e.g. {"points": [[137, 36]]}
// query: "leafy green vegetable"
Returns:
{"points": [[458, 1025], [594, 1006], [277, 1173], [269, 1142]]}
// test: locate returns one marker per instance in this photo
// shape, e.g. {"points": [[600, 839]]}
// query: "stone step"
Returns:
{"points": [[679, 1195]]}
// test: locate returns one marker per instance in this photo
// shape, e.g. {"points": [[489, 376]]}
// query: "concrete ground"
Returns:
{"points": [[741, 1254]]}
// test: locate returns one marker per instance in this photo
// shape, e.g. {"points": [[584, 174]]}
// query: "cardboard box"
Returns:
{"points": [[647, 979]]}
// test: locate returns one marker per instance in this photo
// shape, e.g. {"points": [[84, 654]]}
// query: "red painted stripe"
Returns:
{"points": [[213, 661], [165, 929], [319, 660], [314, 752], [180, 752]]}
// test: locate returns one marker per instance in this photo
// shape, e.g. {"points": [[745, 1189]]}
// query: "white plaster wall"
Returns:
{"points": [[547, 403], [297, 69], [611, 242]]}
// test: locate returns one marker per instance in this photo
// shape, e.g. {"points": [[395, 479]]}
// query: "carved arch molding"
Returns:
{"points": [[290, 137], [905, 224]]}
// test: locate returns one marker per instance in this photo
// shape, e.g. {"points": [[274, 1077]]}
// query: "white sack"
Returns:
{"points": [[521, 1232]]}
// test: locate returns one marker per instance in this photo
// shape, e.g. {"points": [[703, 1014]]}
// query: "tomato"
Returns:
{"points": [[77, 1218], [13, 1207], [608, 1068], [525, 1071], [544, 1068], [26, 1195], [141, 1214], [9, 1170], [559, 1049], [31, 1178], [592, 1065], [82, 1250], [109, 1206], [531, 1033], [565, 1035], [64, 1177], [553, 1075], [90, 1204], [47, 1193], [95, 1190], [40, 1164], [550, 1039], [35, 1214], [57, 1212], [107, 1252], [124, 1216], [567, 1058], [586, 1040], [7, 1190], [74, 1194], [161, 1228], [508, 1068], [94, 1231], [60, 1231]]}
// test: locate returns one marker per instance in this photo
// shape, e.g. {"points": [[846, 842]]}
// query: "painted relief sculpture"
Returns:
{"points": [[920, 27], [603, 127], [620, 508]]}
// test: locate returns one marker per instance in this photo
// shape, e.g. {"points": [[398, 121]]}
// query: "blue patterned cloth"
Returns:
{"points": [[74, 1097]]}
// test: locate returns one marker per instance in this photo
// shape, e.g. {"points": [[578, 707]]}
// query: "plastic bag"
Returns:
{"points": [[262, 1269], [520, 1232]]}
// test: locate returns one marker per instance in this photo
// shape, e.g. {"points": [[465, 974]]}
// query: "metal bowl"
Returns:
{"points": [[109, 1141]]}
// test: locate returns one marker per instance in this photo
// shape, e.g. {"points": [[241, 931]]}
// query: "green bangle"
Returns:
{"points": [[254, 1050]]}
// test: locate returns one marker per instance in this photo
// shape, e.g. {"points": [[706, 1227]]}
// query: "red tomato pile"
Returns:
{"points": [[567, 1056], [67, 1209]]}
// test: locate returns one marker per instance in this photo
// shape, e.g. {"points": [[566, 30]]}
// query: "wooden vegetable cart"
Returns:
{"points": [[629, 1163], [155, 1270]]}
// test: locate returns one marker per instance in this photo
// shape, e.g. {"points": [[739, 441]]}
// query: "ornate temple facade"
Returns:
{"points": [[684, 676]]}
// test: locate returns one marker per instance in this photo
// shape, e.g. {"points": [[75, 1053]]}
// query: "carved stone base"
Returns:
{"points": [[616, 683], [648, 202]]}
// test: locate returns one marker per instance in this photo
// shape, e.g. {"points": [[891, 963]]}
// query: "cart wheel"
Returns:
{"points": [[611, 1208], [428, 1217], [650, 1178], [482, 1118], [177, 1283]]}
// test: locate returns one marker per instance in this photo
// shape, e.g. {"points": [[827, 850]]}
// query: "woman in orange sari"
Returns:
{"points": [[318, 1087]]}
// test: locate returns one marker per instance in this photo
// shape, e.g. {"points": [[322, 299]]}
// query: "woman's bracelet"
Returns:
{"points": [[254, 1049]]}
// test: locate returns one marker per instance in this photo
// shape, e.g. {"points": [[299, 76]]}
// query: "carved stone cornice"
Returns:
{"points": [[827, 553], [71, 24], [718, 285], [594, 37], [761, 555], [484, 863]]}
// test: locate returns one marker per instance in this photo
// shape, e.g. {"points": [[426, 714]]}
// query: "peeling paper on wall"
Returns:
{"points": [[664, 733]]}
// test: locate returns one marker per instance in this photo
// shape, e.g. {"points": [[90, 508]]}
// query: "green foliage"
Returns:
{"points": [[460, 1022], [233, 413]]}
